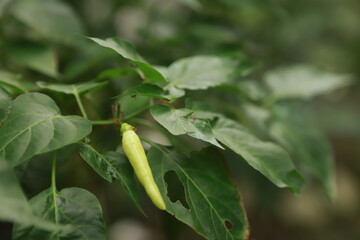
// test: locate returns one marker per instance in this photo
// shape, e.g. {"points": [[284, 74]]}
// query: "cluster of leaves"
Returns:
{"points": [[32, 124], [209, 98]]}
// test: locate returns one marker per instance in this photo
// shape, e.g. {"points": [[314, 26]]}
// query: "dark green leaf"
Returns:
{"points": [[201, 72], [194, 4], [146, 90], [5, 105], [215, 206], [88, 58], [302, 81], [266, 157], [35, 126], [72, 206], [149, 74], [72, 88], [11, 80], [110, 166], [52, 19], [3, 5], [127, 50], [183, 121], [133, 106], [4, 95], [14, 206], [35, 56], [311, 150], [116, 73], [121, 46]]}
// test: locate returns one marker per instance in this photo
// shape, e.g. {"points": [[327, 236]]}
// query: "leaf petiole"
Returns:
{"points": [[79, 102]]}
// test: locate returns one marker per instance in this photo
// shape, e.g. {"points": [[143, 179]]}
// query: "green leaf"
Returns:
{"points": [[4, 95], [310, 148], [8, 79], [111, 166], [116, 73], [303, 81], [5, 105], [35, 126], [266, 157], [121, 46], [183, 121], [35, 56], [127, 51], [133, 106], [73, 206], [251, 89], [3, 5], [194, 4], [72, 88], [175, 92], [88, 57], [14, 206], [54, 20], [258, 118], [146, 90], [215, 205], [201, 72]]}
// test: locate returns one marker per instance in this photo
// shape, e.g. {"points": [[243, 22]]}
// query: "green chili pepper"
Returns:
{"points": [[134, 151]]}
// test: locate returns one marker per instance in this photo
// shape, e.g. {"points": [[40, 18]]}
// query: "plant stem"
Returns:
{"points": [[116, 121], [53, 186], [78, 100]]}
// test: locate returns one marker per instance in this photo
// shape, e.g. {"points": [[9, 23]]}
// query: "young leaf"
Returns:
{"points": [[111, 166], [266, 157], [146, 90], [72, 88], [215, 205], [72, 206], [35, 126], [302, 81], [181, 121], [14, 206], [52, 19], [127, 50], [201, 72], [311, 150]]}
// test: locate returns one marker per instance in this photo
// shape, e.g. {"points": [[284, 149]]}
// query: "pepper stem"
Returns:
{"points": [[126, 127]]}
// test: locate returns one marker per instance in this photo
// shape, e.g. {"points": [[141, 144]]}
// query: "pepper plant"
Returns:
{"points": [[190, 114]]}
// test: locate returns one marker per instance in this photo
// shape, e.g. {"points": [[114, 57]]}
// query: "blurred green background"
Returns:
{"points": [[37, 42]]}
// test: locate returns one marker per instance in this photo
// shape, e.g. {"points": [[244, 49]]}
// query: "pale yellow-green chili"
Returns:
{"points": [[134, 151]]}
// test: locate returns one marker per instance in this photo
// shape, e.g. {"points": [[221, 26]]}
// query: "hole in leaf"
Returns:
{"points": [[228, 224], [175, 189]]}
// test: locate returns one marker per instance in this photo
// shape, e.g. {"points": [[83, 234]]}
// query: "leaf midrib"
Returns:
{"points": [[29, 127], [111, 165]]}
